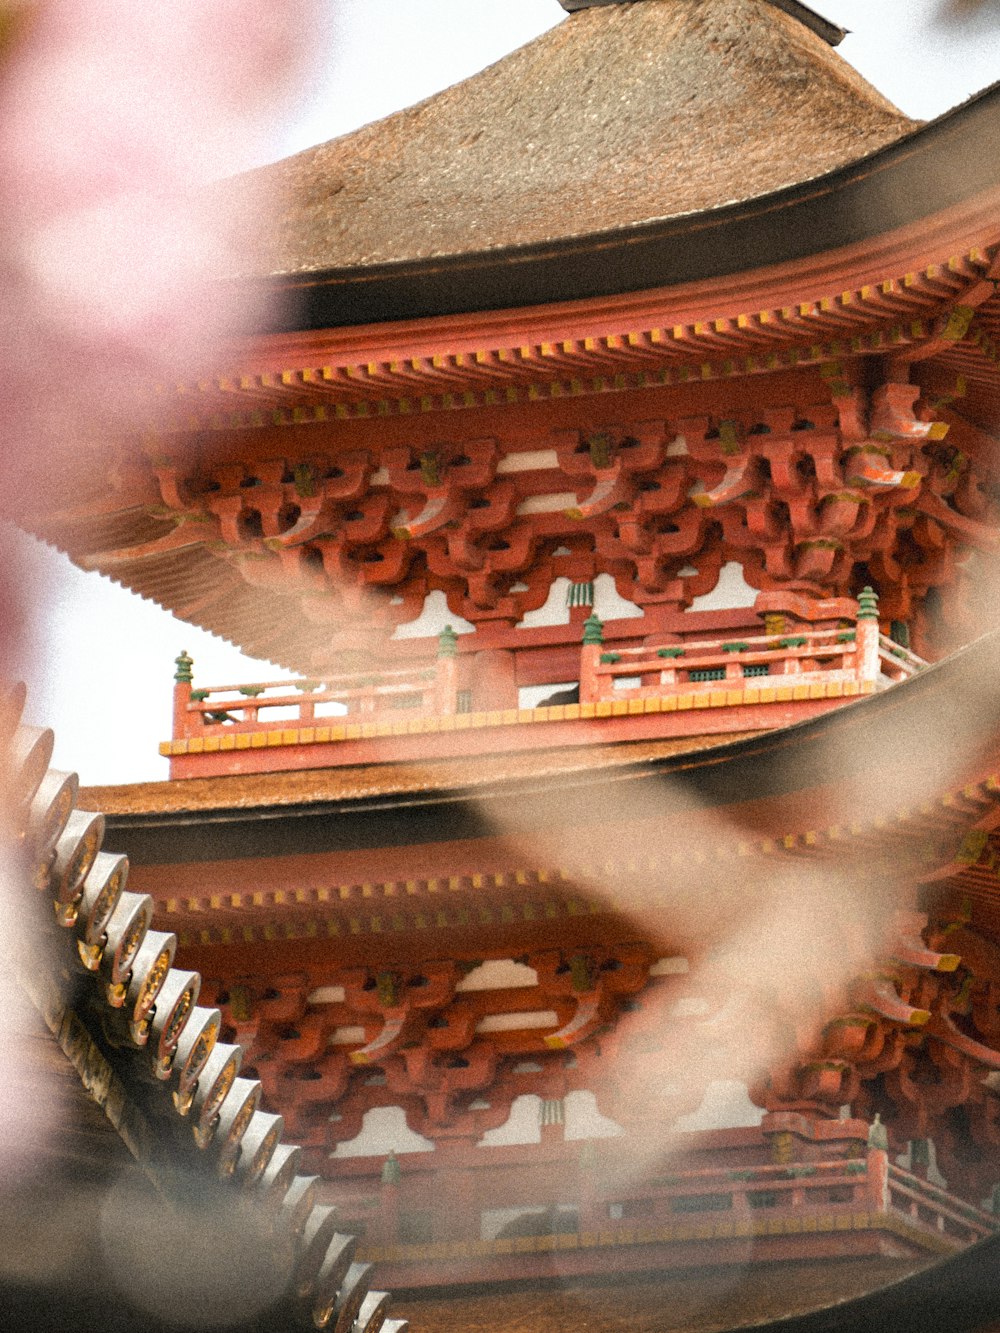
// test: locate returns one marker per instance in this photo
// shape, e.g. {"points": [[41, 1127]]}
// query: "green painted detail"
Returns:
{"points": [[305, 480], [307, 686], [447, 642], [600, 451], [583, 972], [794, 641], [869, 447], [920, 1152], [430, 469], [728, 438], [854, 497], [184, 664], [795, 1172], [199, 696], [821, 544], [240, 1003], [849, 636], [593, 629], [251, 691], [868, 604], [849, 1021], [762, 1198], [580, 594], [737, 647], [957, 323], [899, 631], [611, 658], [855, 1168], [670, 652], [973, 844], [391, 1172], [388, 986]]}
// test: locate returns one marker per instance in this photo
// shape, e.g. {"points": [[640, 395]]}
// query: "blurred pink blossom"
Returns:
{"points": [[114, 116]]}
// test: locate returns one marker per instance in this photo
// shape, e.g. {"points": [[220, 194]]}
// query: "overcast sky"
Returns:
{"points": [[101, 665]]}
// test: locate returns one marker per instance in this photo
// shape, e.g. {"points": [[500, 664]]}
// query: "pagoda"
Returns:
{"points": [[619, 473]]}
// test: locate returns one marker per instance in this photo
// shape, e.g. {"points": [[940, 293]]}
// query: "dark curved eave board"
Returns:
{"points": [[956, 702], [938, 166], [960, 1294]]}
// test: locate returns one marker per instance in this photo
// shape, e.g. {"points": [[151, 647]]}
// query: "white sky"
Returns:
{"points": [[101, 664]]}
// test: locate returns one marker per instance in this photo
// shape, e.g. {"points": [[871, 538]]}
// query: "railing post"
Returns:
{"points": [[446, 680], [590, 658], [493, 680], [388, 1210], [868, 635], [183, 678], [592, 1216], [878, 1165]]}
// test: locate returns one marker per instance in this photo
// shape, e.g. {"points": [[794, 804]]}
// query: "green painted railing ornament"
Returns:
{"points": [[447, 642], [593, 629], [868, 604], [184, 673], [391, 1173], [878, 1136]]}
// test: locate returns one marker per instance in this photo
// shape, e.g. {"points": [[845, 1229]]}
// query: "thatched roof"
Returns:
{"points": [[620, 115]]}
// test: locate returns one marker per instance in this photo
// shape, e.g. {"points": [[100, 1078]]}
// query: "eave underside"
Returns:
{"points": [[296, 399]]}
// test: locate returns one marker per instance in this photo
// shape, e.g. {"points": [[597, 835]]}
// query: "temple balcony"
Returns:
{"points": [[680, 686], [789, 1189]]}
